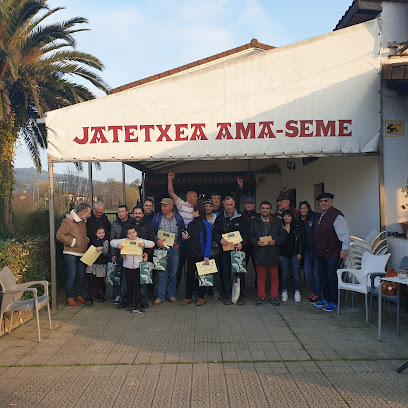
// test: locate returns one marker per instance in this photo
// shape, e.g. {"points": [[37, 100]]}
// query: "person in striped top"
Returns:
{"points": [[185, 209]]}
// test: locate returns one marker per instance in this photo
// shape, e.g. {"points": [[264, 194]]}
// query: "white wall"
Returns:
{"points": [[352, 180], [394, 23]]}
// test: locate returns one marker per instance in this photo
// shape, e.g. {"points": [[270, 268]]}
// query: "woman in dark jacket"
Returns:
{"points": [[291, 253], [306, 221], [267, 252]]}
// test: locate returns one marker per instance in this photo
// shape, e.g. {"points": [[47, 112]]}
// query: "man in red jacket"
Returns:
{"points": [[332, 242]]}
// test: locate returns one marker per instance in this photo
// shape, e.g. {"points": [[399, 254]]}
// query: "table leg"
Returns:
{"points": [[379, 310]]}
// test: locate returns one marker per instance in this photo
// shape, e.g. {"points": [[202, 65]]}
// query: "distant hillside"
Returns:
{"points": [[27, 177]]}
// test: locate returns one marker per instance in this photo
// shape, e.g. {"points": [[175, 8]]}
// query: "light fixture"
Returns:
{"points": [[290, 165]]}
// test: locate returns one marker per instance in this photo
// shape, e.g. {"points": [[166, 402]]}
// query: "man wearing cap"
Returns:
{"points": [[283, 202], [169, 221], [332, 242]]}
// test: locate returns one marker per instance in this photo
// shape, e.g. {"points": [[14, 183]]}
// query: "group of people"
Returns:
{"points": [[275, 242]]}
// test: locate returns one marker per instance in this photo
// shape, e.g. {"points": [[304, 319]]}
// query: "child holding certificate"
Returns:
{"points": [[132, 254], [97, 271]]}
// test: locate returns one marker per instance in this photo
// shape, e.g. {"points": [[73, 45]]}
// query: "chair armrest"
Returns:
{"points": [[28, 284], [34, 290], [375, 275], [358, 240]]}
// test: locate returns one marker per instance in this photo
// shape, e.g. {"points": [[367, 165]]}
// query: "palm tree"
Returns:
{"points": [[37, 64]]}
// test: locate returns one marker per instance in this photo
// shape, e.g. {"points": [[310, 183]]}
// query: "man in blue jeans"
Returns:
{"points": [[72, 233], [168, 221], [332, 242]]}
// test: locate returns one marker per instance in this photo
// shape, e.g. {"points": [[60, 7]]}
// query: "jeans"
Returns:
{"points": [[172, 265], [226, 275], [311, 264], [75, 275], [291, 264], [328, 276], [261, 275]]}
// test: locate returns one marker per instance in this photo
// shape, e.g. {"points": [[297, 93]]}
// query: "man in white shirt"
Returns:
{"points": [[185, 209]]}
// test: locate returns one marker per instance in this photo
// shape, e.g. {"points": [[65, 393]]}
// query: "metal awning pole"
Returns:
{"points": [[90, 188], [52, 234], [143, 187], [123, 184]]}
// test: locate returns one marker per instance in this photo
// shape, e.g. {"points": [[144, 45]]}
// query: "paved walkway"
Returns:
{"points": [[212, 356]]}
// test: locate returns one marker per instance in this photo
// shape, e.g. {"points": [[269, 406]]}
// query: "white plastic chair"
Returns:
{"points": [[12, 294], [370, 246], [360, 278]]}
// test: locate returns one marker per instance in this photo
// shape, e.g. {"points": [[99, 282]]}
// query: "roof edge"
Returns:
{"points": [[253, 44]]}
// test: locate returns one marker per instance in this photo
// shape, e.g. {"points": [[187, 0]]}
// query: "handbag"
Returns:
{"points": [[238, 264], [160, 259], [206, 280]]}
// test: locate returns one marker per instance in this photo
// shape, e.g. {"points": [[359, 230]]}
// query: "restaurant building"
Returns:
{"points": [[327, 113]]}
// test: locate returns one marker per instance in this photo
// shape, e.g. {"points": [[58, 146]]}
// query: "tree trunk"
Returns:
{"points": [[8, 135]]}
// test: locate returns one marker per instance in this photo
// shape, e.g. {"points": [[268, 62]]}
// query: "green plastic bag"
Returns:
{"points": [[160, 259], [146, 272], [114, 272], [238, 264], [206, 280]]}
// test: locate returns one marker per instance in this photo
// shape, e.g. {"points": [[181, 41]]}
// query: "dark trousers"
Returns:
{"points": [[133, 286], [182, 261], [192, 280], [91, 284], [328, 277]]}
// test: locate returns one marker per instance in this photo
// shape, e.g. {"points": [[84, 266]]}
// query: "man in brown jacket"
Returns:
{"points": [[72, 233]]}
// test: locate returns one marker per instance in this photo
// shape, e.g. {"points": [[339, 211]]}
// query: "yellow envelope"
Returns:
{"points": [[229, 247], [203, 269], [90, 256], [265, 239], [234, 237], [167, 237], [131, 248]]}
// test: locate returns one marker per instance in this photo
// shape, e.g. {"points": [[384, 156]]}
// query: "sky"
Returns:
{"points": [[135, 38]]}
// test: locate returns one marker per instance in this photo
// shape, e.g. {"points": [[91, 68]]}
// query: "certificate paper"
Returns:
{"points": [[265, 239], [131, 248], [203, 269], [167, 237], [90, 256], [229, 247], [234, 237]]}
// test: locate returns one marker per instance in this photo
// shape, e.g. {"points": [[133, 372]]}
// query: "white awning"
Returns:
{"points": [[316, 97]]}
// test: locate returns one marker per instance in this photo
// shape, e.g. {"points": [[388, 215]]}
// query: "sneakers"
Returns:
{"points": [[117, 300], [173, 299], [228, 301], [275, 301], [145, 305], [313, 299], [80, 300], [186, 302], [331, 307], [71, 302], [157, 302], [201, 302], [260, 301], [284, 296], [138, 310], [310, 298], [321, 303], [217, 295], [297, 296]]}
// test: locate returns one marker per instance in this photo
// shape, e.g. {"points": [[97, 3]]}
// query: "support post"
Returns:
{"points": [[52, 234], [90, 188], [123, 184], [143, 188]]}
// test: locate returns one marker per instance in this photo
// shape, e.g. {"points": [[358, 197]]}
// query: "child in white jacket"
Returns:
{"points": [[131, 268]]}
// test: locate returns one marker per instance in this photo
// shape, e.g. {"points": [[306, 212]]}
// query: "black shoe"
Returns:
{"points": [[260, 301], [227, 301], [123, 305], [103, 297], [241, 301], [145, 305], [89, 299], [275, 301]]}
